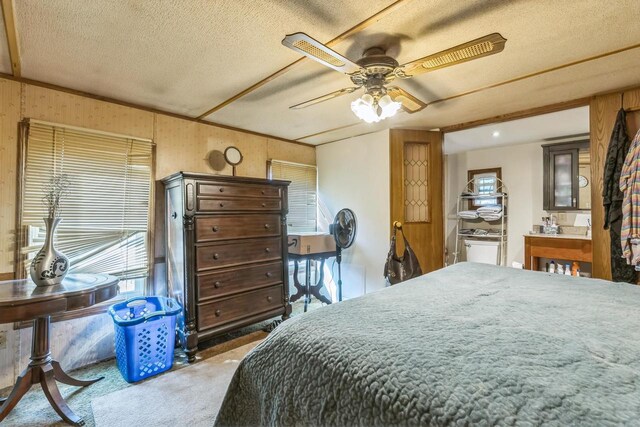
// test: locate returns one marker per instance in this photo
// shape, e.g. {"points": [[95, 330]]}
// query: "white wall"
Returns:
{"points": [[354, 173]]}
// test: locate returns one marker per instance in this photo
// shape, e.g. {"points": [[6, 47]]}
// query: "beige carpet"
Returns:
{"points": [[190, 396]]}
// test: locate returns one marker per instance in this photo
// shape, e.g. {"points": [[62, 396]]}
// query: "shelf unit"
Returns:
{"points": [[464, 223]]}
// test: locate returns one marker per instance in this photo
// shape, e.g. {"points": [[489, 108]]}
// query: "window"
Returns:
{"points": [[484, 182], [302, 216], [105, 216], [303, 209]]}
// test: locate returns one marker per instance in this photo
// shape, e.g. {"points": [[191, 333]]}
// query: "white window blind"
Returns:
{"points": [[302, 215], [486, 184], [105, 216]]}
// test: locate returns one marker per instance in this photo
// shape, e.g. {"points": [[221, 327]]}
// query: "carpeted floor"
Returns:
{"points": [[34, 410], [201, 388]]}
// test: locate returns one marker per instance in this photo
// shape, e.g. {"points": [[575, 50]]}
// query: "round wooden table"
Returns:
{"points": [[22, 300]]}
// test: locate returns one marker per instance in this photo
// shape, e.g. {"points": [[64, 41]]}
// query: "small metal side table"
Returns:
{"points": [[21, 300], [307, 289]]}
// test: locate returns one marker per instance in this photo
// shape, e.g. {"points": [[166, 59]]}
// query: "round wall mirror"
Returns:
{"points": [[233, 156]]}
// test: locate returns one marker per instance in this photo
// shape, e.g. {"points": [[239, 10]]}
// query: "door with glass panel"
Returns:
{"points": [[417, 194]]}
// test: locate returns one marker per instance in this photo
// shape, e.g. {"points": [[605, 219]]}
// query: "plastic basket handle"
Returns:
{"points": [[153, 314], [115, 315]]}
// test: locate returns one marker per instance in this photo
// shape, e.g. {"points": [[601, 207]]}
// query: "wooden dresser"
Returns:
{"points": [[226, 248]]}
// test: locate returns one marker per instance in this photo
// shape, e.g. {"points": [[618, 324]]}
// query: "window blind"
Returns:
{"points": [[105, 215], [302, 216]]}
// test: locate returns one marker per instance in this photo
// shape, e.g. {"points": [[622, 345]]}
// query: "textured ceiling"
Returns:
{"points": [[189, 56], [531, 129], [184, 56]]}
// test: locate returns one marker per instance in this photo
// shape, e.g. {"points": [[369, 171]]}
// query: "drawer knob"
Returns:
{"points": [[218, 313], [222, 205], [216, 256], [264, 205], [269, 299], [269, 274], [215, 228], [174, 215], [267, 226], [262, 192], [221, 190], [216, 285], [267, 250]]}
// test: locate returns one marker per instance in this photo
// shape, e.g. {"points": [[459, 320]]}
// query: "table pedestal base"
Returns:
{"points": [[307, 290], [44, 370]]}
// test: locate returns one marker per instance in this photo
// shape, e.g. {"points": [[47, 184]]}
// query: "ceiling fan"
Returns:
{"points": [[375, 71]]}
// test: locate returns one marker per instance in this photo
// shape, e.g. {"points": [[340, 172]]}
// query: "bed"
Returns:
{"points": [[470, 344]]}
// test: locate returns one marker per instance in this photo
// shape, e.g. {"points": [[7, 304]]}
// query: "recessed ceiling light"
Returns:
{"points": [[496, 133]]}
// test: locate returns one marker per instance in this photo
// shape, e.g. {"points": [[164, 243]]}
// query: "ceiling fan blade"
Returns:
{"points": [[302, 43], [484, 46], [410, 103], [324, 97]]}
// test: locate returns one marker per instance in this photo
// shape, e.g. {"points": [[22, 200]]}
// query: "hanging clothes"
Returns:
{"points": [[612, 198], [630, 186]]}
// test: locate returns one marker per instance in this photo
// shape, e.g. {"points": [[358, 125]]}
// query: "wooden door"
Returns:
{"points": [[417, 193]]}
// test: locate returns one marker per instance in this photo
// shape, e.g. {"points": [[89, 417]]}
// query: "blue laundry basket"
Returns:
{"points": [[145, 335]]}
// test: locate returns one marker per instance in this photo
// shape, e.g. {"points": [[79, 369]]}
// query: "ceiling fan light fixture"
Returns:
{"points": [[371, 111], [364, 110], [367, 99], [388, 107]]}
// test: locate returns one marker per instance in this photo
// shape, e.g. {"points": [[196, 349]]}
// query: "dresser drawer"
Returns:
{"points": [[235, 253], [236, 226], [234, 190], [227, 205], [230, 281], [247, 304]]}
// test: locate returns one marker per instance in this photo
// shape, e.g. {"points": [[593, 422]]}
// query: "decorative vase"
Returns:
{"points": [[49, 266]]}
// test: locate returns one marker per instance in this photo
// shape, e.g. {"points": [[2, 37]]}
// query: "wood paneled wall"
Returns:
{"points": [[180, 144], [603, 111], [9, 117]]}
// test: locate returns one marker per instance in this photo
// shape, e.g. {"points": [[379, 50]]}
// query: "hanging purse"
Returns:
{"points": [[398, 269]]}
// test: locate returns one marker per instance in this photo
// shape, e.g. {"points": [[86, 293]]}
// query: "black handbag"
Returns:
{"points": [[398, 269]]}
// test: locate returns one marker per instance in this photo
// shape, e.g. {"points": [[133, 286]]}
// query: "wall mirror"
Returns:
{"points": [[567, 176]]}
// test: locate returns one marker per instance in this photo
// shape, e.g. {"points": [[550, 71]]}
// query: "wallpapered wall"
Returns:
{"points": [[180, 145]]}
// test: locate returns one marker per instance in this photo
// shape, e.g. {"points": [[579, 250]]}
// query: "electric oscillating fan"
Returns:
{"points": [[343, 230]]}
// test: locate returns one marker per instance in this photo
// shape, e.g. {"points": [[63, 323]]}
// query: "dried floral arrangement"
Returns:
{"points": [[56, 190]]}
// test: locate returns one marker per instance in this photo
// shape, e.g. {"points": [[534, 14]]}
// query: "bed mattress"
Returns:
{"points": [[470, 344]]}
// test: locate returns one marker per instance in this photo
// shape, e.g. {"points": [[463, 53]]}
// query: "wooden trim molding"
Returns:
{"points": [[329, 130], [8, 14], [144, 108], [530, 112], [351, 31]]}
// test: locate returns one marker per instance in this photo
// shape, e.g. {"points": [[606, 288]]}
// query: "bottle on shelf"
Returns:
{"points": [[559, 269], [552, 267], [575, 268], [567, 270]]}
